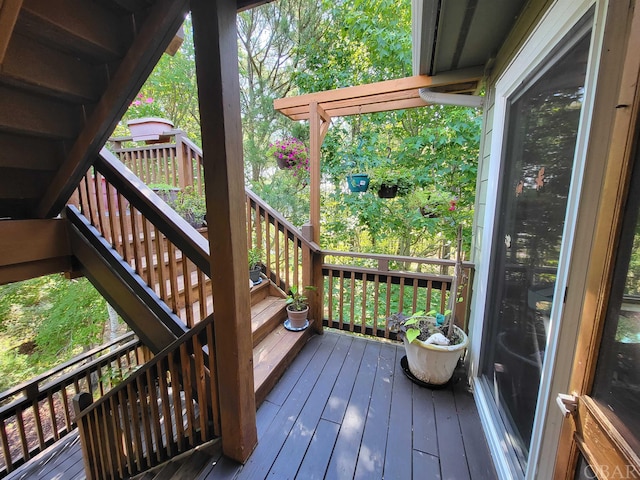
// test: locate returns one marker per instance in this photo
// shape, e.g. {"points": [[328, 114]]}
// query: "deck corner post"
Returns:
{"points": [[80, 402], [215, 41]]}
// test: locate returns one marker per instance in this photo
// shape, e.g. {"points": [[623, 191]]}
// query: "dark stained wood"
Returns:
{"points": [[30, 152], [164, 19], [451, 448], [424, 437], [343, 461], [141, 315], [266, 451], [9, 10], [314, 464], [285, 429], [38, 116], [25, 271], [373, 446], [336, 407], [48, 71], [47, 239], [81, 27], [215, 42]]}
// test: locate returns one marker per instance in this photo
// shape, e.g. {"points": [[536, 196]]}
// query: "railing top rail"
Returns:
{"points": [[396, 258], [49, 373], [391, 273], [314, 247], [196, 330], [194, 245]]}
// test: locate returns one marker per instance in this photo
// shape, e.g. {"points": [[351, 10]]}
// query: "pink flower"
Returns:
{"points": [[149, 100]]}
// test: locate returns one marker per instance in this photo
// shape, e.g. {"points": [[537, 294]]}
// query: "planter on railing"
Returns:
{"points": [[150, 129]]}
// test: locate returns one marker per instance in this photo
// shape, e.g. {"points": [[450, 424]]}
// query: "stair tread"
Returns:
{"points": [[191, 466], [265, 309], [167, 472], [271, 357]]}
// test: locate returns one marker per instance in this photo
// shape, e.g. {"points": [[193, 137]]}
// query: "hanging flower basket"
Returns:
{"points": [[290, 154], [358, 182], [150, 129]]}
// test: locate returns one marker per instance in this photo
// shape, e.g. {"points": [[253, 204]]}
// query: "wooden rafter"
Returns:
{"points": [[378, 97], [157, 32]]}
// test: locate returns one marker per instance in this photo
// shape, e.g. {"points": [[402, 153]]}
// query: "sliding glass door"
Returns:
{"points": [[535, 176]]}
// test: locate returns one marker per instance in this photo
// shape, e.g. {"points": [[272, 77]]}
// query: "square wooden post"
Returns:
{"points": [[216, 48]]}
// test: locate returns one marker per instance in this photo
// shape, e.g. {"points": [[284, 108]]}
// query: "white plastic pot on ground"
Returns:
{"points": [[434, 364]]}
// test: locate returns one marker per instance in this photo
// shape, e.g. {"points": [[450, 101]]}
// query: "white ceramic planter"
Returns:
{"points": [[434, 364]]}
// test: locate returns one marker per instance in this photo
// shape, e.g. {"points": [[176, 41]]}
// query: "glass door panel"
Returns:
{"points": [[541, 132]]}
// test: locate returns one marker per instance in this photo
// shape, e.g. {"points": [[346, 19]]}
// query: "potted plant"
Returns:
{"points": [[166, 192], [297, 309], [358, 182], [432, 341], [391, 182], [145, 122], [290, 154], [255, 265], [191, 206]]}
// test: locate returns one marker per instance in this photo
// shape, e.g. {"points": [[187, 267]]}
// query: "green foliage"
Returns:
{"points": [[45, 321], [296, 300], [255, 257], [191, 205]]}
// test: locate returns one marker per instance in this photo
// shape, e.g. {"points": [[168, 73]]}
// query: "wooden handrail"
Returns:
{"points": [[395, 258], [194, 245], [121, 433], [277, 216]]}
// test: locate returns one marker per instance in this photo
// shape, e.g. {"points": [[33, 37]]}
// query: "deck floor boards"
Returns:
{"points": [[344, 409]]}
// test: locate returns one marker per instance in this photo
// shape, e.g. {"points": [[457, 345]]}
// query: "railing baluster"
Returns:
{"points": [[363, 314], [352, 301], [376, 294], [185, 365]]}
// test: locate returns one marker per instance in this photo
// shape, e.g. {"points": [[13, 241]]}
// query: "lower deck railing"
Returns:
{"points": [[168, 406], [39, 412]]}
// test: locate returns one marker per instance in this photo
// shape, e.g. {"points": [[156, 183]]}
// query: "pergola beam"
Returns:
{"points": [[378, 97]]}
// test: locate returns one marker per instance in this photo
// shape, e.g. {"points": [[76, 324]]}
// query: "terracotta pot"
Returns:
{"points": [[297, 319], [434, 364]]}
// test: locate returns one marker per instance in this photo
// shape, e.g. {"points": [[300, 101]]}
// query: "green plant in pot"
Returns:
{"points": [[191, 206], [297, 308], [166, 192], [255, 265], [432, 341]]}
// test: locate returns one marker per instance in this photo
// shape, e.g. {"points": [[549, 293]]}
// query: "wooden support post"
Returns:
{"points": [[312, 275], [183, 171], [314, 151], [318, 127], [216, 47], [80, 402]]}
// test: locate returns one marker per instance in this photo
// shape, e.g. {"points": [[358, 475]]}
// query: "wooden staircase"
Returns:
{"points": [[274, 347]]}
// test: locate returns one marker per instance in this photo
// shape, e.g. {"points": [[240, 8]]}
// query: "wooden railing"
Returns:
{"points": [[168, 406], [39, 412], [145, 232], [355, 292], [178, 164], [361, 290]]}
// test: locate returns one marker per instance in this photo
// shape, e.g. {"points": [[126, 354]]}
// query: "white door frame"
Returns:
{"points": [[556, 23]]}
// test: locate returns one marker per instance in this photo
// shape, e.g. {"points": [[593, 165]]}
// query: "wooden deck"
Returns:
{"points": [[344, 409]]}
